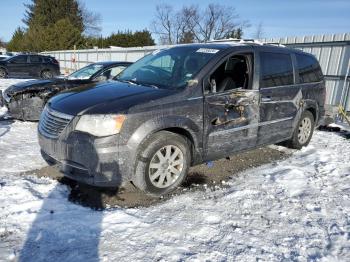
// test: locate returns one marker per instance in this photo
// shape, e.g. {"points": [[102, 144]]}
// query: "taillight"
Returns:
{"points": [[55, 61]]}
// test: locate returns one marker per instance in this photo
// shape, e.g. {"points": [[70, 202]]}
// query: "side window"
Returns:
{"points": [[46, 60], [112, 72], [233, 73], [35, 59], [309, 69], [276, 69], [19, 59], [116, 71]]}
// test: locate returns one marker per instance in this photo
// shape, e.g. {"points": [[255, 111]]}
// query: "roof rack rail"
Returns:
{"points": [[274, 43], [242, 41]]}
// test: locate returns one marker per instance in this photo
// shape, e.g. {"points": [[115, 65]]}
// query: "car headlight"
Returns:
{"points": [[100, 125]]}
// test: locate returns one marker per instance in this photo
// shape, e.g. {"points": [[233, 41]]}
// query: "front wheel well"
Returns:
{"points": [[180, 131], [183, 132]]}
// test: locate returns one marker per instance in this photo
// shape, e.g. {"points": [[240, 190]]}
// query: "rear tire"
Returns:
{"points": [[162, 163], [46, 74], [3, 73], [303, 131]]}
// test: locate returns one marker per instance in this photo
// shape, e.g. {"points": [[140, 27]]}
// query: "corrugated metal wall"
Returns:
{"points": [[333, 52]]}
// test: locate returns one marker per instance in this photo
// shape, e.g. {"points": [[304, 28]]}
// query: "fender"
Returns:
{"points": [[166, 122], [132, 147]]}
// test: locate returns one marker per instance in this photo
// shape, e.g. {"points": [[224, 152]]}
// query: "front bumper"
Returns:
{"points": [[86, 159], [26, 109], [23, 109]]}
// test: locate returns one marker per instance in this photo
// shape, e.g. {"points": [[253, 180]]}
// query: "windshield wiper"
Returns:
{"points": [[128, 81], [149, 85], [133, 82]]}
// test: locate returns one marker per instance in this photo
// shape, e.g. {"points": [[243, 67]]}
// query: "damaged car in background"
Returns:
{"points": [[180, 107], [26, 100]]}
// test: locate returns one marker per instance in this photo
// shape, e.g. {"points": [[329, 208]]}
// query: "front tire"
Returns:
{"points": [[303, 131], [162, 163]]}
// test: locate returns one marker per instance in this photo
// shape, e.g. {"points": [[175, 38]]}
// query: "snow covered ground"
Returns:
{"points": [[295, 210]]}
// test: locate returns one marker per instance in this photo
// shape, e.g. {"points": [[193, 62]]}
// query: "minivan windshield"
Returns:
{"points": [[170, 68], [85, 72]]}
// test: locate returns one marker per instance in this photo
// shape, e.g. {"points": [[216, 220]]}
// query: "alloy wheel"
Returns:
{"points": [[47, 75], [304, 130], [166, 166]]}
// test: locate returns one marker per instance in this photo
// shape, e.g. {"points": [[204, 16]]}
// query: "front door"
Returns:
{"points": [[17, 66], [231, 107]]}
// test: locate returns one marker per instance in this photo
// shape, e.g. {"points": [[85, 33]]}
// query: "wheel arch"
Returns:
{"points": [[312, 107], [177, 125]]}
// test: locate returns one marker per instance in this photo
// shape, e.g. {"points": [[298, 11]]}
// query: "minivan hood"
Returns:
{"points": [[105, 98]]}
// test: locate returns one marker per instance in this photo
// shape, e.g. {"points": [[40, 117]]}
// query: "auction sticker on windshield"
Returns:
{"points": [[207, 50]]}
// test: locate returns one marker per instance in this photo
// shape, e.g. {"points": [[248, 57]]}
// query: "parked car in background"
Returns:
{"points": [[26, 100], [29, 65], [180, 107]]}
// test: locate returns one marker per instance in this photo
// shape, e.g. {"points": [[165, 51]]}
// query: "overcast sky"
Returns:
{"points": [[279, 17]]}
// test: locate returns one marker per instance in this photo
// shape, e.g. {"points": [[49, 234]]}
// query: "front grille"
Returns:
{"points": [[53, 122]]}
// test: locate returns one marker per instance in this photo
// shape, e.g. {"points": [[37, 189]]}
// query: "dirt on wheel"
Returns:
{"points": [[212, 175]]}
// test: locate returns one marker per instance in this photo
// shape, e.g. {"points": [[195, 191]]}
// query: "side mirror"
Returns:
{"points": [[101, 78]]}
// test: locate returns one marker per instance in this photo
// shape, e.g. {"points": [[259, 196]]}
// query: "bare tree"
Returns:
{"points": [[194, 24], [260, 33], [214, 22], [91, 20], [164, 23]]}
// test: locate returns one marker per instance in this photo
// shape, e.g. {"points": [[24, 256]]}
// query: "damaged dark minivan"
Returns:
{"points": [[180, 107]]}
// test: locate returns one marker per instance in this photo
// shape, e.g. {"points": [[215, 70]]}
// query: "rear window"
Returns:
{"points": [[47, 59], [276, 69], [309, 69]]}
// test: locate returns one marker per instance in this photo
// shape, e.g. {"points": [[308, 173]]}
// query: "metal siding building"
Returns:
{"points": [[333, 52]]}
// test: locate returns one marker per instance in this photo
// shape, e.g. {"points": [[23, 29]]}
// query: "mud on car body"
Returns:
{"points": [[180, 107], [26, 100]]}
